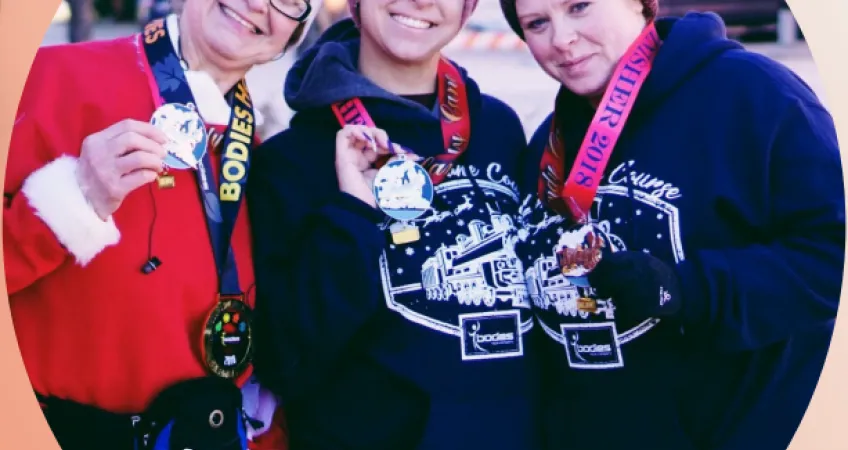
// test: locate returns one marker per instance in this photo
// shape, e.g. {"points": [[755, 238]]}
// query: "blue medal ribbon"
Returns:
{"points": [[221, 200]]}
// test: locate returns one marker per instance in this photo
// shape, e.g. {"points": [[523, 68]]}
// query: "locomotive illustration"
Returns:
{"points": [[480, 268]]}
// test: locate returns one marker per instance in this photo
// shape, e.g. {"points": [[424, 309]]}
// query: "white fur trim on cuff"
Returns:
{"points": [[55, 195]]}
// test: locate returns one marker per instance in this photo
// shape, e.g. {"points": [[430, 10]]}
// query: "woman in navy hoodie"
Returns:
{"points": [[380, 333], [684, 231]]}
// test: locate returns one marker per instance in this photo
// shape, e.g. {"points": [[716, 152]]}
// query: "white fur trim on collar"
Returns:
{"points": [[55, 195], [208, 97]]}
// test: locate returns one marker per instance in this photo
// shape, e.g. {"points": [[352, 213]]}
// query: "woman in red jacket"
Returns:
{"points": [[134, 324]]}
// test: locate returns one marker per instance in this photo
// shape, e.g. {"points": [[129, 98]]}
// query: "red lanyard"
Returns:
{"points": [[455, 117], [574, 198]]}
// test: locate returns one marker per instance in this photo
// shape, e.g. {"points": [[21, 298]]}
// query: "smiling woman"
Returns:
{"points": [[132, 320], [393, 309]]}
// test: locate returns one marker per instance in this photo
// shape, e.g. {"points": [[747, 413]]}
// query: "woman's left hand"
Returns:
{"points": [[640, 285]]}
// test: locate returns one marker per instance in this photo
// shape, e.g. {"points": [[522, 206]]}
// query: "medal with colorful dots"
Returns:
{"points": [[228, 337]]}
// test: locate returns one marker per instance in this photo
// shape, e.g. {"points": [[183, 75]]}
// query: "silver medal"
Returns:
{"points": [[404, 192], [186, 134]]}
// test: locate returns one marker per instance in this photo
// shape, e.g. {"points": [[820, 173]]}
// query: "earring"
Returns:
{"points": [[183, 62], [356, 11]]}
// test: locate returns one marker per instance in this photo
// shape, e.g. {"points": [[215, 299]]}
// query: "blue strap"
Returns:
{"points": [[221, 200]]}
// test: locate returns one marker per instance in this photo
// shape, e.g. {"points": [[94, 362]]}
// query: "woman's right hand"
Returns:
{"points": [[357, 149], [118, 160]]}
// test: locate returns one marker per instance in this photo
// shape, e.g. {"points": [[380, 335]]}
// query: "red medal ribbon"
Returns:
{"points": [[575, 196], [454, 112]]}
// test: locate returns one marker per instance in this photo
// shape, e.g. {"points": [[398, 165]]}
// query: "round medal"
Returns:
{"points": [[228, 338], [579, 250], [186, 134], [403, 189]]}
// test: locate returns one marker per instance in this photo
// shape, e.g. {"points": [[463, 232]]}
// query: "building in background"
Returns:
{"points": [[742, 17], [756, 18]]}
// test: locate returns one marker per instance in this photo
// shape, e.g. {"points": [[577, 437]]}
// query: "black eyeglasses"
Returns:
{"points": [[297, 10]]}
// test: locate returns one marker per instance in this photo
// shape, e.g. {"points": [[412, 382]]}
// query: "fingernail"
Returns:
{"points": [[397, 148]]}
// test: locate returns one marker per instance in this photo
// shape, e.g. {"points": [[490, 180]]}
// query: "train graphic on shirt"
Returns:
{"points": [[481, 268], [464, 268]]}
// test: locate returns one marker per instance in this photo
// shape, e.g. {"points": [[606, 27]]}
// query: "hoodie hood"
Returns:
{"points": [[689, 43], [328, 72]]}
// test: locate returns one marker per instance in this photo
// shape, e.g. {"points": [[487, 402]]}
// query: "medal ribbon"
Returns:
{"points": [[221, 200], [575, 196], [454, 112]]}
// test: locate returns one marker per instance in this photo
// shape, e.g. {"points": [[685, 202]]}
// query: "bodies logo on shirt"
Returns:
{"points": [[592, 346], [463, 277], [591, 340], [490, 334]]}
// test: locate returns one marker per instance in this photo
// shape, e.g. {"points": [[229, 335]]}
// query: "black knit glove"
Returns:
{"points": [[640, 285]]}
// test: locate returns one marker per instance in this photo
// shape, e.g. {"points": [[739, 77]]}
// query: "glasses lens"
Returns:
{"points": [[291, 8]]}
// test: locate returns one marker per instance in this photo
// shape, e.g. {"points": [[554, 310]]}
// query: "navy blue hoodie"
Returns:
{"points": [[728, 169], [373, 345]]}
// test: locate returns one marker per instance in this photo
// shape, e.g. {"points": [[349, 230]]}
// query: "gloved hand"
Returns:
{"points": [[641, 286]]}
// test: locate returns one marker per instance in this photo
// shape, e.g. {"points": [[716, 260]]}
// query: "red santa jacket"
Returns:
{"points": [[91, 326]]}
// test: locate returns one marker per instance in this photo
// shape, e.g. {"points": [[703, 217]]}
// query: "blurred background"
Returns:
{"points": [[748, 19], [486, 47]]}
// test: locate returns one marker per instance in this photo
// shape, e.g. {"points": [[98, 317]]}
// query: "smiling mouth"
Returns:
{"points": [[239, 19], [412, 23]]}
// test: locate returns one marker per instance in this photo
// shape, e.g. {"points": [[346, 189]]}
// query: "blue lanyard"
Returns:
{"points": [[222, 200]]}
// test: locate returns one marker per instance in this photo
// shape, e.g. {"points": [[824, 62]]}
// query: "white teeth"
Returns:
{"points": [[238, 19], [412, 23]]}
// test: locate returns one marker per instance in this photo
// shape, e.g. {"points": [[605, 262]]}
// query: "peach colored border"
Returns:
{"points": [[22, 27]]}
